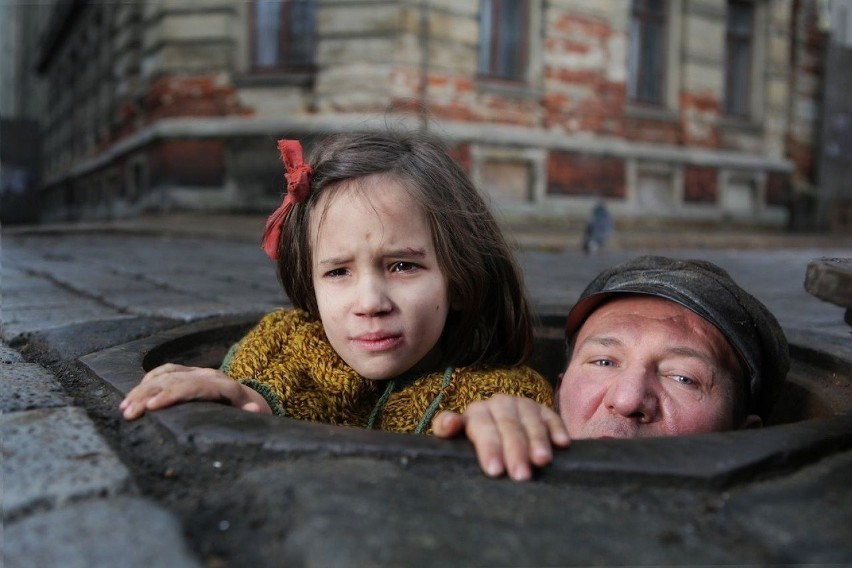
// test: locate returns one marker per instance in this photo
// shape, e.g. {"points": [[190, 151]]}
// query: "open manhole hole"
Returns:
{"points": [[812, 418]]}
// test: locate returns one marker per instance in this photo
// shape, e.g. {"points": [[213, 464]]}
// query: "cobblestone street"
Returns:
{"points": [[80, 483]]}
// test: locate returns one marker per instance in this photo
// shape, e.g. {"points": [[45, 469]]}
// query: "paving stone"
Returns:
{"points": [[123, 531], [19, 322], [25, 386], [51, 456], [70, 342], [9, 355]]}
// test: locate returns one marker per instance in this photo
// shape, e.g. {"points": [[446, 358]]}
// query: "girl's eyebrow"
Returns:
{"points": [[334, 260], [408, 252]]}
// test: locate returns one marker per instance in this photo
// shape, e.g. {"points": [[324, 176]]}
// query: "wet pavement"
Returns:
{"points": [[203, 485]]}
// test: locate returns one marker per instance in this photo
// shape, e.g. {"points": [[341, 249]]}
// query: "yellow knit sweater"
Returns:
{"points": [[288, 360]]}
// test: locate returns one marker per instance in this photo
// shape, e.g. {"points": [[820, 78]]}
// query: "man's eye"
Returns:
{"points": [[402, 266], [684, 380]]}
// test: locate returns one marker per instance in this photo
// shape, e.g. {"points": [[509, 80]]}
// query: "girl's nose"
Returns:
{"points": [[372, 298], [632, 394]]}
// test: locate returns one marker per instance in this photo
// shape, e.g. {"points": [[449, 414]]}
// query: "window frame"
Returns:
{"points": [[284, 44], [740, 38], [636, 61], [491, 70]]}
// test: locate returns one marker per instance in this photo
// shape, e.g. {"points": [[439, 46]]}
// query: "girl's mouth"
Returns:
{"points": [[378, 341]]}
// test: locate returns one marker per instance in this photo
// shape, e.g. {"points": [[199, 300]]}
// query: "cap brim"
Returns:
{"points": [[583, 309]]}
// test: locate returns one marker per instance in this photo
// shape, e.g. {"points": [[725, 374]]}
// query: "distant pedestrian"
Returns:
{"points": [[599, 229], [407, 298]]}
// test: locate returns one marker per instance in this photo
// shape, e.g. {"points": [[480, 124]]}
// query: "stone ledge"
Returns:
{"points": [[830, 279]]}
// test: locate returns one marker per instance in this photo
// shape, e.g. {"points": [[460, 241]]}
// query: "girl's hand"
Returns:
{"points": [[510, 434], [171, 384]]}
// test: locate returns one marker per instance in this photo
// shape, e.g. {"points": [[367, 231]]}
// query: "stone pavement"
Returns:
{"points": [[83, 306]]}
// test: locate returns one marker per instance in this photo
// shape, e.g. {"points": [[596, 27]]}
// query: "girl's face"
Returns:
{"points": [[381, 296]]}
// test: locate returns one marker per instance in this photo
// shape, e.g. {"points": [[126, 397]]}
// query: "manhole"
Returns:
{"points": [[813, 417]]}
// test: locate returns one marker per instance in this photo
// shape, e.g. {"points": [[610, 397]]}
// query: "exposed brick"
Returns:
{"points": [[700, 119], [654, 131], [700, 185], [461, 154], [577, 25], [195, 95], [187, 162], [801, 154], [571, 173]]}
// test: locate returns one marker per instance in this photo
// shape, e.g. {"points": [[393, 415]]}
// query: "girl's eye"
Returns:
{"points": [[402, 266], [336, 273], [604, 363]]}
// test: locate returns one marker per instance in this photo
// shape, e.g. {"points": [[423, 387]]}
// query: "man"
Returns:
{"points": [[657, 347]]}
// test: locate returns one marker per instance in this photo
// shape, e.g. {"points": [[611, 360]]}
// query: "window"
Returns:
{"points": [[282, 35], [738, 47], [503, 51], [647, 55]]}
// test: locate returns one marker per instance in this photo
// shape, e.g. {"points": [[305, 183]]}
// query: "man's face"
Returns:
{"points": [[644, 366]]}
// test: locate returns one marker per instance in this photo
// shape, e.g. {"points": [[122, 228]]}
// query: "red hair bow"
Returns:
{"points": [[298, 176]]}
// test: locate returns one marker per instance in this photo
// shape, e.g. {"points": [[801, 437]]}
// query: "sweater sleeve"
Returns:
{"points": [[263, 346], [470, 386]]}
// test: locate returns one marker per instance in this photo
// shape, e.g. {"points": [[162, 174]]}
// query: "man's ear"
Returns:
{"points": [[752, 421]]}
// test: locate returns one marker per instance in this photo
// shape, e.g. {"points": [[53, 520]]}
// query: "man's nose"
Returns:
{"points": [[633, 394], [371, 296]]}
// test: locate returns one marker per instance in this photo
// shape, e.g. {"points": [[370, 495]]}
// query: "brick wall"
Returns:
{"points": [[700, 185], [576, 174], [196, 163]]}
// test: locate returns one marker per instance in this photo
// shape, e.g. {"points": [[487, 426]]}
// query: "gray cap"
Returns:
{"points": [[709, 291]]}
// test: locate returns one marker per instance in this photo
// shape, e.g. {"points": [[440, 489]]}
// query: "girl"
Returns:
{"points": [[407, 299]]}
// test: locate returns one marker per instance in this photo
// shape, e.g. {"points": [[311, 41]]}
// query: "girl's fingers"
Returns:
{"points": [[558, 432], [171, 384], [514, 439], [481, 429], [537, 434], [162, 370]]}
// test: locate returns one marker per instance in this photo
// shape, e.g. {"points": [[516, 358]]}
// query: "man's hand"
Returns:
{"points": [[172, 384], [509, 434]]}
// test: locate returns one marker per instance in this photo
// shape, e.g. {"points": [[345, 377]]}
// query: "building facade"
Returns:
{"points": [[688, 110]]}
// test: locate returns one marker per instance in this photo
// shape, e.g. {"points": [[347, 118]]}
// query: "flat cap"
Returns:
{"points": [[710, 292]]}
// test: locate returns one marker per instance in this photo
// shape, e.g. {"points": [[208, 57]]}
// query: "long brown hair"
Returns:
{"points": [[493, 325]]}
